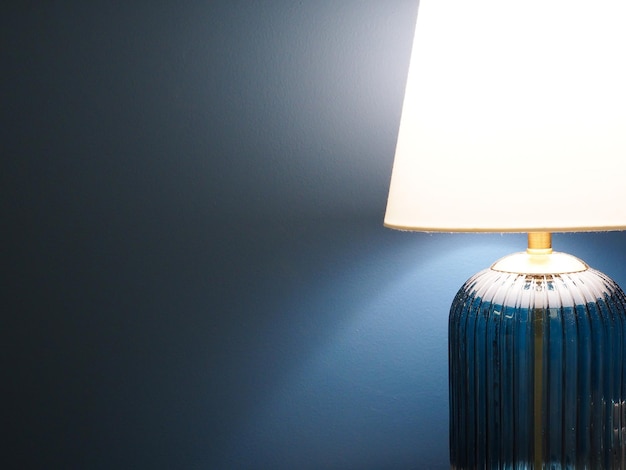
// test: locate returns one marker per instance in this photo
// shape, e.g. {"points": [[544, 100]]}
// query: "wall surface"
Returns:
{"points": [[197, 272]]}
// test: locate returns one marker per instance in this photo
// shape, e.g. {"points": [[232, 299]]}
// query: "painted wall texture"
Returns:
{"points": [[196, 272]]}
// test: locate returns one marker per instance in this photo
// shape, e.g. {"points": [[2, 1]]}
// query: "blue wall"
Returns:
{"points": [[193, 195]]}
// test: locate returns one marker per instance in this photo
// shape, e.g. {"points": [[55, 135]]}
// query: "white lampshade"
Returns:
{"points": [[514, 118]]}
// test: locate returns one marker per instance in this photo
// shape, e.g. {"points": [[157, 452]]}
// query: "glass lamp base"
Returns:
{"points": [[538, 371]]}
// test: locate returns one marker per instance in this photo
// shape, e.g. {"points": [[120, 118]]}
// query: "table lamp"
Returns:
{"points": [[514, 120]]}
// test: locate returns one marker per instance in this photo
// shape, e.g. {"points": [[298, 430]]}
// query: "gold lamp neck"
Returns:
{"points": [[539, 243]]}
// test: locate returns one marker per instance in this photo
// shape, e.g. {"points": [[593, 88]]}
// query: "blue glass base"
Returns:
{"points": [[538, 372]]}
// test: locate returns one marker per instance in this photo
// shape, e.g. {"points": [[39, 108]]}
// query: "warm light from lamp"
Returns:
{"points": [[514, 118]]}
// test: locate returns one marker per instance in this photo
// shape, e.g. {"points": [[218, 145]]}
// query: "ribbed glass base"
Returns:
{"points": [[538, 372]]}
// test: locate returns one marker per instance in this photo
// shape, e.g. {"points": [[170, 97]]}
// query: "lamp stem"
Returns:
{"points": [[539, 243]]}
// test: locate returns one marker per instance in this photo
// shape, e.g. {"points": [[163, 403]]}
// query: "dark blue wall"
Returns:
{"points": [[197, 275]]}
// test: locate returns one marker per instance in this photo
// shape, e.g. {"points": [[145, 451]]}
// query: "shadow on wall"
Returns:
{"points": [[353, 368]]}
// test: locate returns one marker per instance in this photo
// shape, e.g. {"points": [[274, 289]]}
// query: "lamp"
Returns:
{"points": [[514, 120]]}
